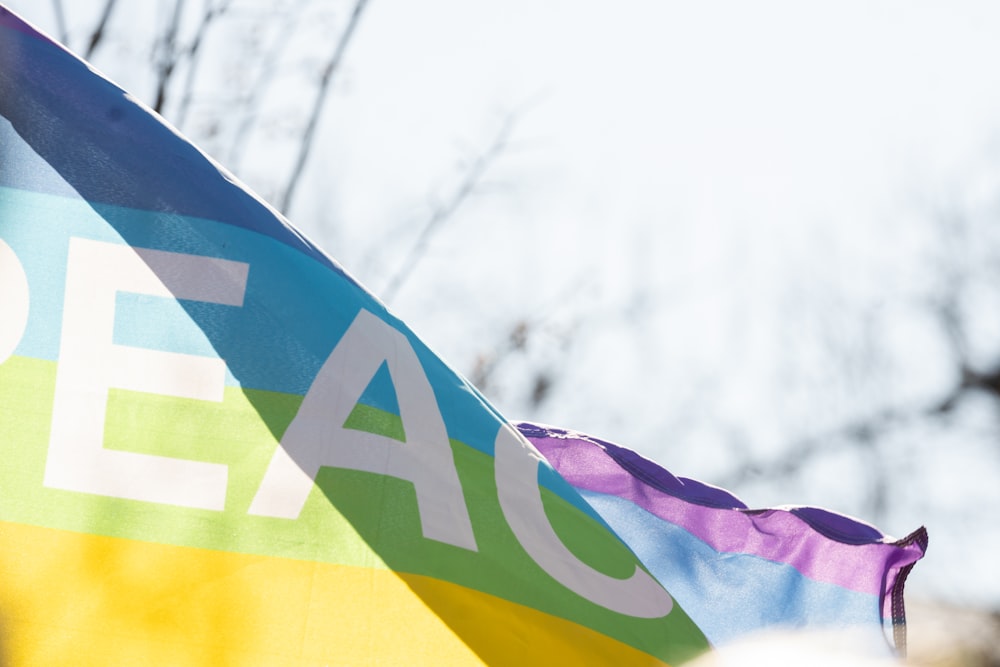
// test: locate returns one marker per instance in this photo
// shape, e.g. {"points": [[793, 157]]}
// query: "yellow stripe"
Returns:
{"points": [[75, 599]]}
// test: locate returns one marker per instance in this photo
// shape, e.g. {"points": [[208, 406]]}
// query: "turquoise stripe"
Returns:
{"points": [[295, 308]]}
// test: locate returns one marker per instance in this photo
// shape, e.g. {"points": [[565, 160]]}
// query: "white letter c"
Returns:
{"points": [[521, 501]]}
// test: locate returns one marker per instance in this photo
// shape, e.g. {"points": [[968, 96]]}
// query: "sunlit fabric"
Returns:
{"points": [[220, 449], [736, 570]]}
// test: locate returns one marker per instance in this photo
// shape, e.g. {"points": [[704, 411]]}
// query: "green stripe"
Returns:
{"points": [[366, 520]]}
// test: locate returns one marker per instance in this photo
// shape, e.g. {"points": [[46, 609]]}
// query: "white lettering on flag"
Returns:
{"points": [[521, 500], [317, 437], [90, 364]]}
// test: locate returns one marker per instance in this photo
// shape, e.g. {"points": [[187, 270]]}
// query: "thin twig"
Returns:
{"points": [[97, 36], [859, 433], [249, 104], [212, 11], [57, 9], [326, 80], [168, 57], [442, 212]]}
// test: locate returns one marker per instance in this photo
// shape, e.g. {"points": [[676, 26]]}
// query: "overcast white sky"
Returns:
{"points": [[774, 115], [679, 147], [686, 161]]}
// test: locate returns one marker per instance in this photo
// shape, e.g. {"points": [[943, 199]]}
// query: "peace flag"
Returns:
{"points": [[739, 571], [219, 448]]}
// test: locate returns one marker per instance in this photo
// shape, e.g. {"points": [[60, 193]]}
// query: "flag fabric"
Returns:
{"points": [[739, 571], [219, 448]]}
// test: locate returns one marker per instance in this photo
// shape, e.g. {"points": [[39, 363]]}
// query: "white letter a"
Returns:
{"points": [[317, 437]]}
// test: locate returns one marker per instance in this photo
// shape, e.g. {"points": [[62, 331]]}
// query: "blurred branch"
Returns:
{"points": [[970, 380], [443, 211], [57, 9], [266, 73], [167, 56], [520, 338], [97, 36], [878, 500], [487, 364], [863, 433], [957, 234], [794, 457], [212, 12], [326, 80]]}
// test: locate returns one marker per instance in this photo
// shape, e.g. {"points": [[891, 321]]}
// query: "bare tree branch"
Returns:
{"points": [[57, 9], [167, 56], [250, 104], [97, 36], [326, 80], [212, 12], [861, 433], [442, 212], [487, 363], [795, 456]]}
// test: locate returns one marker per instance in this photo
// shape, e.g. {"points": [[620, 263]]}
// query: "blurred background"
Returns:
{"points": [[757, 242]]}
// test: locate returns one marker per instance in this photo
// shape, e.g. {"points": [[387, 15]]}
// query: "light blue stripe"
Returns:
{"points": [[295, 308], [731, 595]]}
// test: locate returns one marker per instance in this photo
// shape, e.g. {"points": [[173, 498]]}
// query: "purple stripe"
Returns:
{"points": [[9, 19], [821, 545]]}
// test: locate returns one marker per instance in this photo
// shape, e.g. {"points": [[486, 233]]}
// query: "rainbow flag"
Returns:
{"points": [[220, 449]]}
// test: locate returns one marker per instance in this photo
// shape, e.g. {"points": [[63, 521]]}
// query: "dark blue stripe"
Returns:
{"points": [[108, 147]]}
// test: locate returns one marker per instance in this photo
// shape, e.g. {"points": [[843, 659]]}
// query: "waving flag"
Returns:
{"points": [[220, 449], [739, 571]]}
